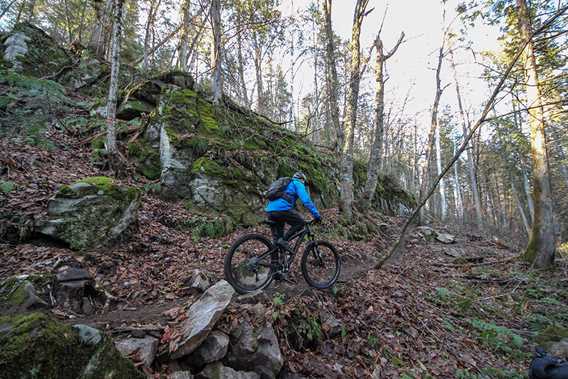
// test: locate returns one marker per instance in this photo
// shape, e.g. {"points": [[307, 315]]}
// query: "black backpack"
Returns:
{"points": [[545, 366], [277, 188]]}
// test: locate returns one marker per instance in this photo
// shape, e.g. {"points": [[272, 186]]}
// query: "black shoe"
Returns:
{"points": [[283, 244]]}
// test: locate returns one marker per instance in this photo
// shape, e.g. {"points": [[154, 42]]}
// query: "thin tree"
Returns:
{"points": [[331, 75], [542, 245], [351, 112], [470, 159], [111, 146], [378, 134], [217, 51]]}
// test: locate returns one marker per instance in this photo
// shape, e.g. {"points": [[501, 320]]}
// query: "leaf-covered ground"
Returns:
{"points": [[466, 310]]}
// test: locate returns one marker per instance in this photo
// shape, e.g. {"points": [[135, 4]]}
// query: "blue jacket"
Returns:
{"points": [[296, 189]]}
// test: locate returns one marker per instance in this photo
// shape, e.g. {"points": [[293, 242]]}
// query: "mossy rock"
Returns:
{"points": [[147, 159], [34, 345], [26, 292], [92, 212], [44, 56]]}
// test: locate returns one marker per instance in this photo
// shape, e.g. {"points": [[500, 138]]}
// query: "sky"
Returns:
{"points": [[412, 67]]}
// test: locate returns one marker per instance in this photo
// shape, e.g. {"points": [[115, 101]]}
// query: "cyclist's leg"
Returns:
{"points": [[296, 222], [277, 233]]}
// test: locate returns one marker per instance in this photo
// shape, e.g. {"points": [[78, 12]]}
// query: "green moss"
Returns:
{"points": [[208, 167], [147, 159], [7, 186], [101, 182], [35, 346]]}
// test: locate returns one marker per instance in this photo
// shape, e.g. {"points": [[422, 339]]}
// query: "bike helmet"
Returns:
{"points": [[300, 175]]}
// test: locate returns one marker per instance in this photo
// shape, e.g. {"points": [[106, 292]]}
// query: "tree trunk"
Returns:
{"points": [[443, 202], [378, 134], [457, 188], [542, 245], [183, 58], [216, 52], [241, 66], [331, 75], [470, 161], [260, 103], [111, 146], [148, 33], [433, 122], [350, 121], [520, 208]]}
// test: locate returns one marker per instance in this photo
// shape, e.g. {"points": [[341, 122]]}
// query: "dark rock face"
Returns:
{"points": [[35, 343], [256, 349], [92, 212]]}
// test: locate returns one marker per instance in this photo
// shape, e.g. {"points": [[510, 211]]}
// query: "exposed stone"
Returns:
{"points": [[198, 282], [68, 274], [445, 238], [560, 349], [255, 349], [213, 349], [20, 294], [142, 349], [181, 375], [201, 318], [331, 325], [426, 231], [255, 297], [88, 335], [93, 212], [218, 371]]}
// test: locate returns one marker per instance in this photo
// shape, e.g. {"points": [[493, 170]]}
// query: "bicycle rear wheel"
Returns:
{"points": [[247, 264], [321, 264]]}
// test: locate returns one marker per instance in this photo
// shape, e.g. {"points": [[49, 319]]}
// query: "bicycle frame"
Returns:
{"points": [[289, 258]]}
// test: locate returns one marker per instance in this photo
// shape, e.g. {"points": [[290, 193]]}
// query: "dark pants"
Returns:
{"points": [[291, 217]]}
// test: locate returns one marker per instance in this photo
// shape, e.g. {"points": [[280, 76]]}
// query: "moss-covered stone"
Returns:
{"points": [[147, 159], [35, 346], [91, 212]]}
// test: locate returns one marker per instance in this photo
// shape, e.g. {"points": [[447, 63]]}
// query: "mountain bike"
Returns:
{"points": [[249, 267]]}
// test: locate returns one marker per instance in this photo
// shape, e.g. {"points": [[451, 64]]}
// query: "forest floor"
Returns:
{"points": [[465, 310]]}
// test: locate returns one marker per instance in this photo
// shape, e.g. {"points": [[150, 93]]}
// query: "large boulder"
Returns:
{"points": [[201, 318], [92, 212], [25, 293], [139, 349], [213, 349], [218, 371], [35, 345], [255, 349]]}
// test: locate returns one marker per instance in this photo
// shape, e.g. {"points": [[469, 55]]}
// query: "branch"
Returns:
{"points": [[393, 50], [396, 249]]}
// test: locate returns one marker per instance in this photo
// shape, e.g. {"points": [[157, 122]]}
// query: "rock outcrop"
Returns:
{"points": [[91, 212]]}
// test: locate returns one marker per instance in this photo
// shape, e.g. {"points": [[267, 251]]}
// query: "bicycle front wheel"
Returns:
{"points": [[321, 264], [247, 264]]}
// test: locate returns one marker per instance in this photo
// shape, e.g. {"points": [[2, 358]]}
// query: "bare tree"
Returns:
{"points": [[378, 135], [470, 159], [351, 112]]}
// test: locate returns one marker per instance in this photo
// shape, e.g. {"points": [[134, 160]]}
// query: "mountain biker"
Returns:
{"points": [[282, 211]]}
